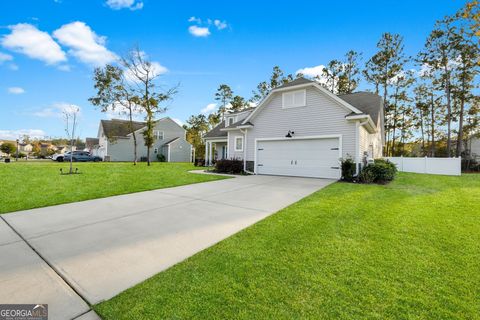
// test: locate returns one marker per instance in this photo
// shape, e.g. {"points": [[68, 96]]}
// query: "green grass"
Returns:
{"points": [[29, 185], [407, 250]]}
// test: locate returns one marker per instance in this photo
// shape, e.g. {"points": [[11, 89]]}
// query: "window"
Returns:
{"points": [[158, 134], [294, 99], [238, 143], [155, 150], [230, 121]]}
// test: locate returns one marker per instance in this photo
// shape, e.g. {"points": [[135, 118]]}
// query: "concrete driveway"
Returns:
{"points": [[81, 253]]}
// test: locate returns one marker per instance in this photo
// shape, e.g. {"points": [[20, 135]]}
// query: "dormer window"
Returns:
{"points": [[230, 121], [294, 99]]}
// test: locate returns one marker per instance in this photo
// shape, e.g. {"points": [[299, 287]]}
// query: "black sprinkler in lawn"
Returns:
{"points": [[69, 172]]}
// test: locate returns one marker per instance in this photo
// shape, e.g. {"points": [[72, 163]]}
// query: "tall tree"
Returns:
{"points": [[147, 94], [421, 112], [115, 93], [238, 103], [196, 127], [224, 95], [400, 103], [350, 76], [471, 13], [277, 78], [331, 72], [70, 116], [465, 75], [439, 54], [384, 65]]}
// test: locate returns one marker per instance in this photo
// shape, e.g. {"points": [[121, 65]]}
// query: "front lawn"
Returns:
{"points": [[26, 185], [407, 250]]}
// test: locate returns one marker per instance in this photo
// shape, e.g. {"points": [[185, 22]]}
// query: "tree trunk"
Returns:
{"points": [[432, 147], [422, 132], [394, 121], [460, 126], [449, 111], [132, 130]]}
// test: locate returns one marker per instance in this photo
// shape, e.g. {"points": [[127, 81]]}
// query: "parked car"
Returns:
{"points": [[58, 157], [80, 156]]}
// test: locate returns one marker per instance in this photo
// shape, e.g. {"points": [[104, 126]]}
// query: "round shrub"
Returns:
{"points": [[381, 171]]}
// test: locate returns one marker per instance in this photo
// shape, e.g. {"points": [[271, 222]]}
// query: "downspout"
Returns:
{"points": [[357, 144], [245, 151]]}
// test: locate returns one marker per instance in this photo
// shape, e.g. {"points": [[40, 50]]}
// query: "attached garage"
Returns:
{"points": [[316, 157]]}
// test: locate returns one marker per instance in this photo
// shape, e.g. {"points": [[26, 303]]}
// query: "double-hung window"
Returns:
{"points": [[238, 143], [158, 134]]}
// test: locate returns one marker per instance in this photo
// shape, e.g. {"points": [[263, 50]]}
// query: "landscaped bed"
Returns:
{"points": [[409, 250], [26, 185]]}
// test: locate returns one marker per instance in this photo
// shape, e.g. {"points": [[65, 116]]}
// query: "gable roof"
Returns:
{"points": [[369, 103], [216, 132], [172, 140], [117, 128], [91, 142], [295, 82]]}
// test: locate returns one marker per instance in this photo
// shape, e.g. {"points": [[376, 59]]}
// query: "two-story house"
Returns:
{"points": [[115, 141]]}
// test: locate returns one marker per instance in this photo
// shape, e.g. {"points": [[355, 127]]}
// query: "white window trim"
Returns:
{"points": [[235, 143], [157, 136], [228, 121], [304, 91]]}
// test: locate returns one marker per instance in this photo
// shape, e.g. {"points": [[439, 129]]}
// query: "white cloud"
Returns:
{"points": [[84, 43], [56, 110], [209, 108], [5, 57], [16, 134], [312, 72], [122, 4], [194, 19], [316, 73], [16, 90], [220, 24], [199, 31], [36, 44]]}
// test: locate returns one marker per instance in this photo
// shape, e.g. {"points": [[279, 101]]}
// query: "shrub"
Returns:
{"points": [[366, 176], [160, 157], [348, 170], [381, 171], [234, 166]]}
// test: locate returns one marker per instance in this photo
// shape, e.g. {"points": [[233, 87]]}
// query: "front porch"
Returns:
{"points": [[215, 149]]}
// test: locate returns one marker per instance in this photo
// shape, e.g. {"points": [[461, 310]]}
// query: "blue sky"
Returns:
{"points": [[49, 48]]}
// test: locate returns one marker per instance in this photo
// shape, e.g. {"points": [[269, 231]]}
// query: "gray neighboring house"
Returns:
{"points": [[301, 129], [115, 141]]}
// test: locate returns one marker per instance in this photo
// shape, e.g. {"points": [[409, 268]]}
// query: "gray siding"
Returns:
{"points": [[122, 149], [232, 154], [180, 151], [321, 116]]}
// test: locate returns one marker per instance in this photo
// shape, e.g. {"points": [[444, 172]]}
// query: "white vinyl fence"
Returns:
{"points": [[447, 166]]}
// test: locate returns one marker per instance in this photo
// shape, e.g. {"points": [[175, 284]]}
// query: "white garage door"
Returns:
{"points": [[318, 158]]}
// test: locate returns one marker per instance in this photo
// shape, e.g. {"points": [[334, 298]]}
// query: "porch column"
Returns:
{"points": [[210, 154], [206, 153]]}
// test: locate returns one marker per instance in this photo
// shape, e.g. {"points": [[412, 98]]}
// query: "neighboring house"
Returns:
{"points": [[25, 148], [301, 129], [115, 141], [92, 146], [473, 147]]}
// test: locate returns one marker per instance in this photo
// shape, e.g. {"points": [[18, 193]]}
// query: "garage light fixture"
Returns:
{"points": [[289, 134]]}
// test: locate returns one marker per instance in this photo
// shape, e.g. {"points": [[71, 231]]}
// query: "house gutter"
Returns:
{"points": [[357, 144], [245, 151]]}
